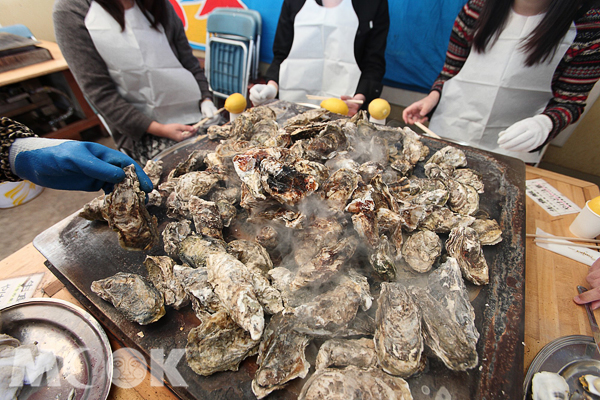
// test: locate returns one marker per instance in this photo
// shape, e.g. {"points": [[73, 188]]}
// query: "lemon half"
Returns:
{"points": [[335, 106], [235, 103], [379, 109], [594, 205]]}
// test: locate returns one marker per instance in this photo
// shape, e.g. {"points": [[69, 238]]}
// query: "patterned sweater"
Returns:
{"points": [[573, 79], [9, 132]]}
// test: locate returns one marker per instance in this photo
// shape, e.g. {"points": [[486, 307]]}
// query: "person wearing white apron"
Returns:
{"points": [[330, 48], [141, 77], [496, 99]]}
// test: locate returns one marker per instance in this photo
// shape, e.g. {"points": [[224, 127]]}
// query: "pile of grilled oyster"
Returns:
{"points": [[318, 231]]}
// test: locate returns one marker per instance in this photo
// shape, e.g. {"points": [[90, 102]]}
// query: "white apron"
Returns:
{"points": [[142, 64], [321, 60], [495, 89]]}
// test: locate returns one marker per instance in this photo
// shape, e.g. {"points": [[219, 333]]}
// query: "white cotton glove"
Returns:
{"points": [[526, 135], [260, 94], [208, 108]]}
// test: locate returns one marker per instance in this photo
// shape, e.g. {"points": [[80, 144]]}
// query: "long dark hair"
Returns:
{"points": [[544, 39], [154, 10]]}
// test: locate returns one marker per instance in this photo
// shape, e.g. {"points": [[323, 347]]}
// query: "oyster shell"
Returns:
{"points": [[160, 273], [448, 317], [488, 230], [232, 282], [195, 249], [132, 296], [464, 245], [549, 386], [268, 237], [195, 183], [442, 220], [125, 212], [227, 212], [413, 149], [325, 314], [462, 199], [206, 216], [319, 233], [195, 283], [449, 155], [338, 189], [326, 263], [281, 357], [154, 170], [382, 259], [365, 224], [398, 338], [284, 183], [352, 383], [252, 254], [194, 162], [330, 139], [591, 383], [369, 169], [247, 167], [344, 352], [92, 211], [421, 249], [469, 177], [219, 344]]}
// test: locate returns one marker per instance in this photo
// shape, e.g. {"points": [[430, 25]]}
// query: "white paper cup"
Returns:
{"points": [[587, 224]]}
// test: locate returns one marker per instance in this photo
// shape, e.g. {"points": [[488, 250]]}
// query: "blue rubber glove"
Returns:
{"points": [[72, 165]]}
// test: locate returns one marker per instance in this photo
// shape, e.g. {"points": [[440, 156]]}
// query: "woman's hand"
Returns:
{"points": [[176, 132], [592, 295], [352, 106], [417, 111]]}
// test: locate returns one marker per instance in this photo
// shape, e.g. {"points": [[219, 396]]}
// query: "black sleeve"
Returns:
{"points": [[183, 51], [284, 36], [369, 45]]}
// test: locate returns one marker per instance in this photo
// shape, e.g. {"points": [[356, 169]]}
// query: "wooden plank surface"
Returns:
{"points": [[551, 279]]}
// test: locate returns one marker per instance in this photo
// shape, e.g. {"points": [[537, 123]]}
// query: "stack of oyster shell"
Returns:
{"points": [[316, 230]]}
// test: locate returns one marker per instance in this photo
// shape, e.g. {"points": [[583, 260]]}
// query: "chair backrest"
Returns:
{"points": [[228, 66], [258, 23], [237, 24], [18, 29], [253, 13]]}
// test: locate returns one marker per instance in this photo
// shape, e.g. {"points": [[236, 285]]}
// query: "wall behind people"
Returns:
{"points": [[411, 63], [34, 14]]}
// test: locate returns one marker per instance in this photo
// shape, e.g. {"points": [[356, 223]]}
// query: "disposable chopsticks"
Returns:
{"points": [[203, 120], [533, 235], [313, 97], [427, 130], [589, 246]]}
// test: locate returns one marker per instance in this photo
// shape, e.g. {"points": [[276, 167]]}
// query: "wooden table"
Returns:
{"points": [[57, 64], [551, 281]]}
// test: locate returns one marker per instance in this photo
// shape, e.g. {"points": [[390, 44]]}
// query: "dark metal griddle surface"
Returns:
{"points": [[80, 252]]}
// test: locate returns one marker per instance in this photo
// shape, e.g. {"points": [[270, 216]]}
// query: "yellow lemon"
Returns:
{"points": [[594, 205], [379, 109], [335, 105], [235, 103]]}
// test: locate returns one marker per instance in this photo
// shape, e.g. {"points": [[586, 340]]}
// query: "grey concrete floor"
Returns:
{"points": [[20, 225]]}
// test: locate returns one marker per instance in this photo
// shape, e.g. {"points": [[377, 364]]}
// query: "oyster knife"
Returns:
{"points": [[592, 318]]}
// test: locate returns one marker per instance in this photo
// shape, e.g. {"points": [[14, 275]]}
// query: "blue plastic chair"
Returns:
{"points": [[230, 43], [18, 29], [258, 21]]}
